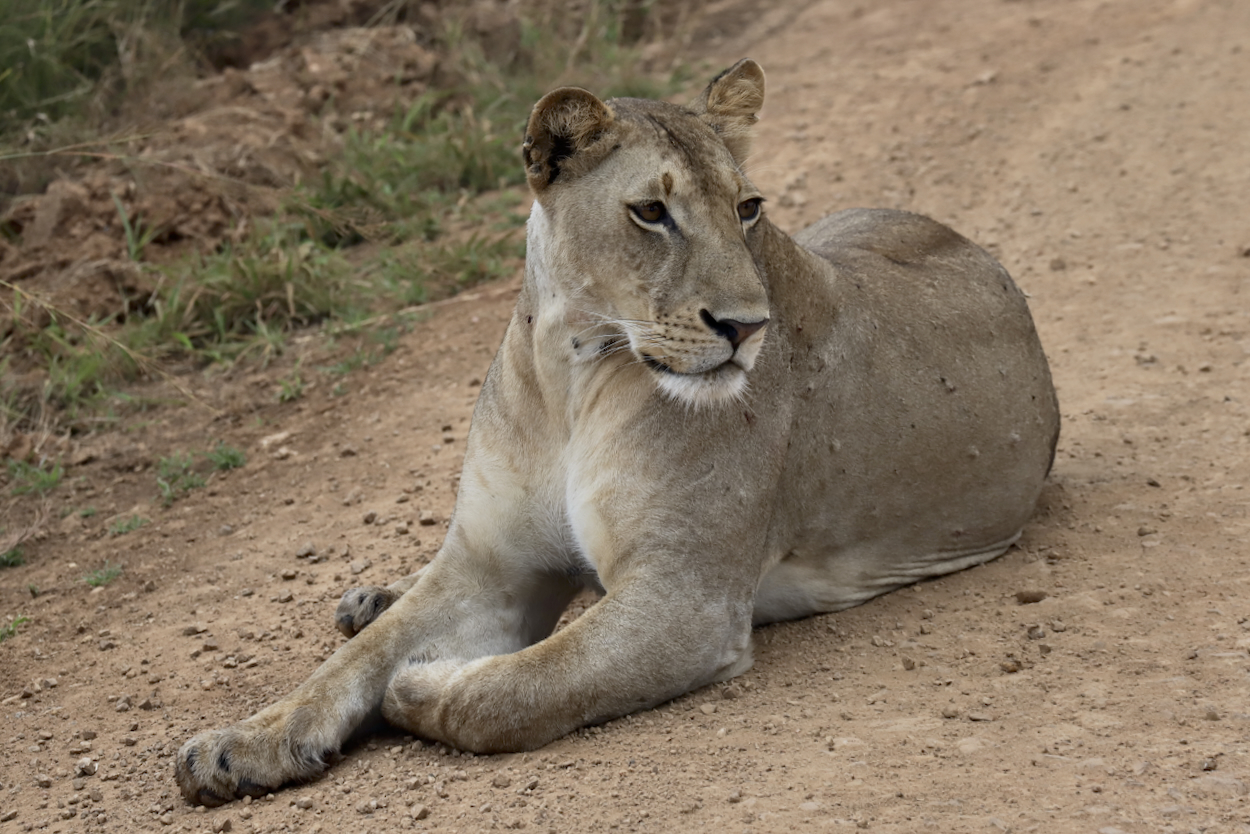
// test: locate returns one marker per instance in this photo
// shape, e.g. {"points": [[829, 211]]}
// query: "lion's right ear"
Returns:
{"points": [[730, 104], [563, 130]]}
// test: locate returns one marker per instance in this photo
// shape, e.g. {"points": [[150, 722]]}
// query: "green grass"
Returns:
{"points": [[122, 526], [407, 213], [10, 628], [11, 558], [175, 477], [224, 457], [59, 56], [103, 576], [40, 478]]}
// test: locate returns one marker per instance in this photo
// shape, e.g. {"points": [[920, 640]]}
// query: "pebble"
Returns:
{"points": [[980, 716], [428, 518], [1036, 632], [192, 630], [707, 709], [285, 596], [371, 517], [221, 825], [950, 712], [289, 573], [1030, 596], [8, 815], [419, 812], [225, 530], [304, 802], [123, 703], [360, 566], [908, 663], [306, 549], [85, 767], [43, 780], [501, 780]]}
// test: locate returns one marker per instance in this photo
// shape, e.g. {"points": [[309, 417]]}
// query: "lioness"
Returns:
{"points": [[707, 421]]}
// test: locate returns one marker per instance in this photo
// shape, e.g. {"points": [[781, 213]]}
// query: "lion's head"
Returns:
{"points": [[642, 221]]}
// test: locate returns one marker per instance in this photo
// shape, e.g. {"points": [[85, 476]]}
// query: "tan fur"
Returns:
{"points": [[706, 420]]}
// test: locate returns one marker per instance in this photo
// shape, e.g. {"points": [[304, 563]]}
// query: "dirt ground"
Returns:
{"points": [[1096, 678]]}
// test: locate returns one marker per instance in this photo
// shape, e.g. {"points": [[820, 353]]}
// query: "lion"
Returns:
{"points": [[708, 422]]}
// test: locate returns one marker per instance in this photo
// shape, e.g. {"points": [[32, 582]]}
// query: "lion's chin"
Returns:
{"points": [[724, 383]]}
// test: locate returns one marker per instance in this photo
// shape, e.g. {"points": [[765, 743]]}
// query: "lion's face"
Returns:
{"points": [[650, 243]]}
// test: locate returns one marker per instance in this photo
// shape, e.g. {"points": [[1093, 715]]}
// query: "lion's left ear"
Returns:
{"points": [[729, 105], [563, 131]]}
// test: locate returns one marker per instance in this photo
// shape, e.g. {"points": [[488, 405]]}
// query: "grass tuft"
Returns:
{"points": [[11, 558], [224, 457], [103, 576], [122, 526], [175, 477], [10, 628], [40, 478]]}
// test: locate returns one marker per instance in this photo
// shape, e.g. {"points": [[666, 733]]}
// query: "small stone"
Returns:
{"points": [[1057, 626], [130, 741], [501, 780], [1146, 531], [285, 596], [148, 704], [304, 802], [222, 825], [735, 796], [371, 517], [428, 518], [348, 452], [950, 712], [359, 566], [403, 499], [307, 549], [166, 818], [707, 709], [419, 811], [107, 644], [149, 586], [1036, 632], [210, 644], [289, 574], [1030, 596], [1211, 714], [43, 780], [123, 704], [908, 663], [88, 735], [192, 630], [225, 530], [1011, 665], [980, 716], [1058, 264], [11, 814], [85, 767]]}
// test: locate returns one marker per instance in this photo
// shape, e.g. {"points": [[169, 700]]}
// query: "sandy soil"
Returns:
{"points": [[1096, 678]]}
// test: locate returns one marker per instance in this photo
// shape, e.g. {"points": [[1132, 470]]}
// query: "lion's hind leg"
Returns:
{"points": [[361, 606], [798, 587]]}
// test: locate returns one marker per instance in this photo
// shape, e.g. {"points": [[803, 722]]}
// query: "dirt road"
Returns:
{"points": [[1102, 149]]}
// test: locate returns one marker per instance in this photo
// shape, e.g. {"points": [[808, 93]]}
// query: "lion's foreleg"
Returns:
{"points": [[463, 606], [632, 650]]}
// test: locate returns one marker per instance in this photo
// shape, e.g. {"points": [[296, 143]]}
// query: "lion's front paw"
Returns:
{"points": [[220, 766], [361, 606]]}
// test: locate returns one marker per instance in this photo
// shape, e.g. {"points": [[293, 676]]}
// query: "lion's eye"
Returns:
{"points": [[748, 210], [650, 212]]}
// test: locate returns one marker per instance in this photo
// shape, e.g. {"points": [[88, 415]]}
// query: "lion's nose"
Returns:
{"points": [[735, 331]]}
